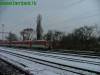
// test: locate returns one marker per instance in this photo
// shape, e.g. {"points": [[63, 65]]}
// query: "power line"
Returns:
{"points": [[80, 18], [75, 3], [89, 16]]}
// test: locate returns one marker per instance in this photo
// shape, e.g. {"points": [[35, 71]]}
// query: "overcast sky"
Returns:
{"points": [[63, 15]]}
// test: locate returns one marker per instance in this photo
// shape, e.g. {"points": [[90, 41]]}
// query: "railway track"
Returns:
{"points": [[64, 67], [75, 53], [87, 54], [63, 56], [41, 62]]}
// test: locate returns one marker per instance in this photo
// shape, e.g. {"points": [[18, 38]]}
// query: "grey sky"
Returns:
{"points": [[63, 15]]}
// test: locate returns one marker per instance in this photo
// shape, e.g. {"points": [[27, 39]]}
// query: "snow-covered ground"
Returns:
{"points": [[33, 67], [38, 69]]}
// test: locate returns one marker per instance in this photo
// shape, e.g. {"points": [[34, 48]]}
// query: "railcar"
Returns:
{"points": [[40, 44]]}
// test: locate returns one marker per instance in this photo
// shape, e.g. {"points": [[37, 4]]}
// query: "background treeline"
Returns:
{"points": [[83, 38]]}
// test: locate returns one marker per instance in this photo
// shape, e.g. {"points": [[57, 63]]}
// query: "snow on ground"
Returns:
{"points": [[66, 62], [49, 54], [35, 68], [55, 59]]}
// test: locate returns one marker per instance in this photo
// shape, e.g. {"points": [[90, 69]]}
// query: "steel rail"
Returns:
{"points": [[25, 72], [39, 61]]}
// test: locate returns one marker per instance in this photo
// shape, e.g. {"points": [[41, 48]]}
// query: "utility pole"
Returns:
{"points": [[3, 31]]}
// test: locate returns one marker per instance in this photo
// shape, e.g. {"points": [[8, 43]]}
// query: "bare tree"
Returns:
{"points": [[54, 37], [81, 38], [12, 37], [27, 34]]}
